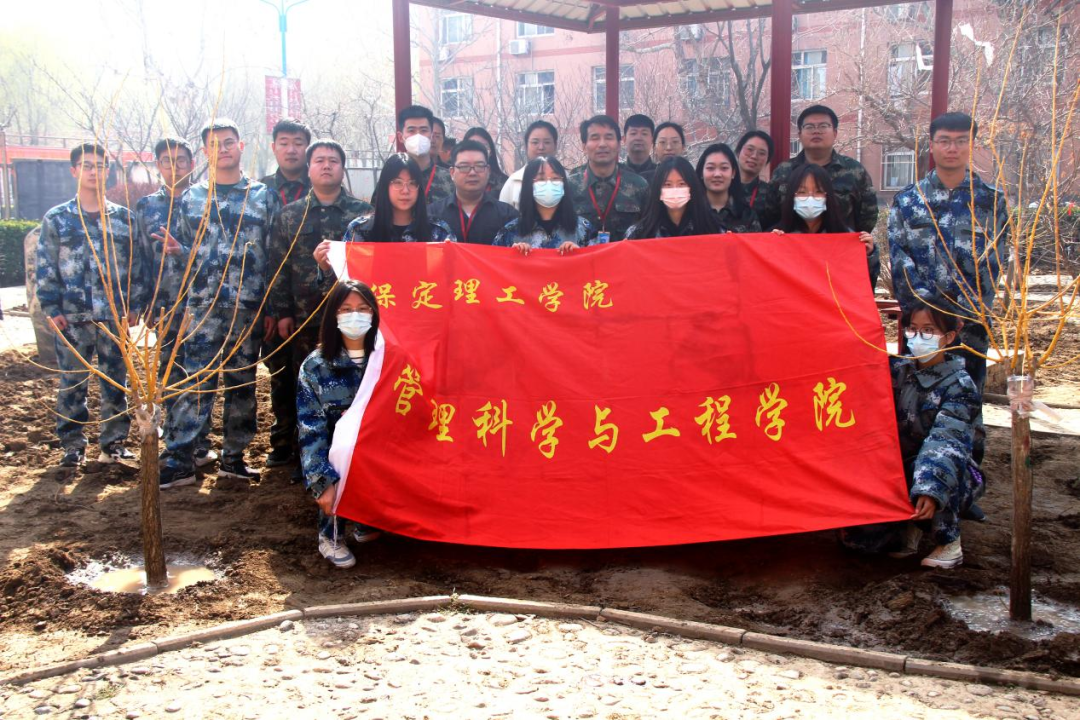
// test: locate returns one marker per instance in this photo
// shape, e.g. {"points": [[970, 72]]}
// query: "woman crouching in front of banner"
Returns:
{"points": [[329, 380], [547, 217], [400, 208], [938, 412], [676, 205], [813, 207]]}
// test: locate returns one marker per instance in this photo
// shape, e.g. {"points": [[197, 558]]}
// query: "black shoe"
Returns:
{"points": [[237, 469], [974, 513], [297, 475], [174, 477], [73, 457], [204, 457], [279, 456], [114, 453]]}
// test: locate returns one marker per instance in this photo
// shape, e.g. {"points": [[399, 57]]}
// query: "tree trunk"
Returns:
{"points": [[153, 552], [1020, 579]]}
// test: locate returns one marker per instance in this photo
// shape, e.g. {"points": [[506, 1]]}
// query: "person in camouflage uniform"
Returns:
{"points": [[290, 181], [604, 191], [852, 184], [938, 414], [79, 241], [935, 225], [547, 216], [300, 286], [400, 214], [227, 226], [414, 125], [639, 132], [720, 174], [157, 223], [329, 380]]}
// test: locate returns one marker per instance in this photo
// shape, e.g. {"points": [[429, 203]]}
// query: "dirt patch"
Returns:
{"points": [[262, 540]]}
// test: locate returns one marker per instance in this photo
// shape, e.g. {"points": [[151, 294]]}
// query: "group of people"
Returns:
{"points": [[214, 249]]}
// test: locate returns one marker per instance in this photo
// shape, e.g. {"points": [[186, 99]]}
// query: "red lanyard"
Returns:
{"points": [[753, 195], [431, 178], [466, 226], [596, 206]]}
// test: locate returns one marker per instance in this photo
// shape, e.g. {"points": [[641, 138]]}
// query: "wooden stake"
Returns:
{"points": [[1020, 578]]}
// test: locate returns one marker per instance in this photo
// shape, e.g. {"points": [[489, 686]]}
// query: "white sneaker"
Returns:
{"points": [[910, 546], [363, 533], [945, 556], [337, 553], [206, 459]]}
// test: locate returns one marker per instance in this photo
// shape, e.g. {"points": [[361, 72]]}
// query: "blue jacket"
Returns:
{"points": [[361, 229], [73, 267], [152, 212], [325, 390], [538, 238]]}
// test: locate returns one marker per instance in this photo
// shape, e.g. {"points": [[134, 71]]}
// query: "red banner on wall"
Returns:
{"points": [[641, 393]]}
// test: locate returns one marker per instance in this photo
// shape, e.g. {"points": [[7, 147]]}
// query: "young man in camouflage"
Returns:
{"points": [[157, 224], [299, 289], [290, 180], [937, 224], [854, 189], [85, 243], [225, 222], [414, 125], [603, 190]]}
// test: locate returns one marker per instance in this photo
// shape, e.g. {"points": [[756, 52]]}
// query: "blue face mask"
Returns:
{"points": [[918, 346], [548, 193]]}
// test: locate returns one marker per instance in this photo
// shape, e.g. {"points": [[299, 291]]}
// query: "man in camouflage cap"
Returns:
{"points": [[84, 244], [323, 214], [603, 190], [854, 189]]}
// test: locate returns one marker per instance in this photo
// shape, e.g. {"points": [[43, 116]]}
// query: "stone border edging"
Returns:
{"points": [[892, 662]]}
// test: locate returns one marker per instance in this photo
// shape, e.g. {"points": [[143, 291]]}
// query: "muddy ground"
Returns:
{"points": [[262, 540]]}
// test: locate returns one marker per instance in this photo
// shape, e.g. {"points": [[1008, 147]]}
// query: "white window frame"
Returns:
{"points": [[717, 85], [911, 64], [531, 94], [463, 31], [817, 73], [528, 30], [462, 92], [626, 87], [898, 157]]}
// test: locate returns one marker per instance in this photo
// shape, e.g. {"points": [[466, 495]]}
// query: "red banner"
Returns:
{"points": [[273, 102], [295, 97], [641, 393]]}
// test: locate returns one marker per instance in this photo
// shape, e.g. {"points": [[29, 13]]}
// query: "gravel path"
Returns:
{"points": [[502, 666]]}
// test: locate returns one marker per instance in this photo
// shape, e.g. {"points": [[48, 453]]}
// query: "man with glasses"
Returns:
{"points": [[473, 214], [854, 189], [947, 236]]}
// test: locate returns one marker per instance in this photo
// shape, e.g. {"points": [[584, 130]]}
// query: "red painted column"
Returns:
{"points": [[611, 62], [939, 92], [780, 81], [402, 58]]}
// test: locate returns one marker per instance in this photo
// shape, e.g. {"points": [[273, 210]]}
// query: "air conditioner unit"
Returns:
{"points": [[689, 32], [519, 47], [444, 54]]}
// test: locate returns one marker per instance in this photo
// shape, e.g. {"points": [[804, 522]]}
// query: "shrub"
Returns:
{"points": [[12, 234]]}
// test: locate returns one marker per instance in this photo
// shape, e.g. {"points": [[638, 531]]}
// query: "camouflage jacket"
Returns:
{"points": [[324, 391], [743, 222], [153, 212], [626, 207], [938, 414], [666, 229], [231, 239], [361, 230], [938, 265], [288, 190], [755, 192], [72, 269], [853, 186], [540, 238], [437, 185], [300, 286]]}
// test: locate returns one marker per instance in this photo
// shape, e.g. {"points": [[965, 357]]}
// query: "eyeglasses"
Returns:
{"points": [[469, 169], [945, 143], [804, 195], [817, 126], [910, 333], [180, 163], [402, 185]]}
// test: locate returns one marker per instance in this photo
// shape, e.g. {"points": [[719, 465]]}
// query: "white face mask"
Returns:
{"points": [[675, 197], [918, 346], [548, 193], [354, 325], [810, 207], [418, 145]]}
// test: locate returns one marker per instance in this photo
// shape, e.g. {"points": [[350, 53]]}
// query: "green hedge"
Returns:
{"points": [[12, 234]]}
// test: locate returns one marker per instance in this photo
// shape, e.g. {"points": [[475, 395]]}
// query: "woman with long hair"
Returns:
{"points": [[328, 382], [812, 207], [719, 173], [675, 205], [400, 208], [497, 178], [547, 217]]}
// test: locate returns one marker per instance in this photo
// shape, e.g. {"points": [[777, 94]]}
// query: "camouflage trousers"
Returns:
{"points": [[219, 338], [167, 342], [71, 411], [284, 366]]}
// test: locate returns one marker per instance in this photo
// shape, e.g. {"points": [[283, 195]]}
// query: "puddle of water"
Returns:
{"points": [[989, 612], [110, 578]]}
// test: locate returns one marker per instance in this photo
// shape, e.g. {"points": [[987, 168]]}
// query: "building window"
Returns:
{"points": [[808, 74], [525, 30], [1035, 53], [794, 146], [536, 93], [626, 87], [707, 79], [455, 28], [456, 97], [910, 66], [907, 12], [897, 168]]}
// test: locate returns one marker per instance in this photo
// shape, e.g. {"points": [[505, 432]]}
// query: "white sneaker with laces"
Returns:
{"points": [[363, 533], [207, 459], [336, 552], [912, 536], [945, 556]]}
